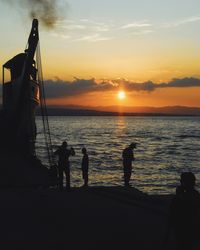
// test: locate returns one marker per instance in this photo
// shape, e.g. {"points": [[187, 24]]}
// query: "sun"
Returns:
{"points": [[121, 95]]}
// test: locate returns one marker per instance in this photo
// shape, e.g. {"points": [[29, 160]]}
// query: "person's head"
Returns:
{"points": [[84, 151], [188, 180], [64, 144], [132, 145]]}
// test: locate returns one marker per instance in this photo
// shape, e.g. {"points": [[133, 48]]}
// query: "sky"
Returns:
{"points": [[94, 49]]}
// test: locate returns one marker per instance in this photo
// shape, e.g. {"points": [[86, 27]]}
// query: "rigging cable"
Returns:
{"points": [[47, 134]]}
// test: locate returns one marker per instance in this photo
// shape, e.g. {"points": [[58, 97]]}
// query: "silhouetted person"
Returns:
{"points": [[85, 166], [63, 163], [128, 158], [185, 213]]}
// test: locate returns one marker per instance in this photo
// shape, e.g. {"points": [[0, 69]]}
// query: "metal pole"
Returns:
{"points": [[3, 87]]}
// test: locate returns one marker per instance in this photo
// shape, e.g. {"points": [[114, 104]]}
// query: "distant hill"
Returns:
{"points": [[176, 110], [73, 110]]}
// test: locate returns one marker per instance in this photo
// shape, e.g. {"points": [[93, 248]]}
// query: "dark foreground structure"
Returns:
{"points": [[22, 93], [94, 218]]}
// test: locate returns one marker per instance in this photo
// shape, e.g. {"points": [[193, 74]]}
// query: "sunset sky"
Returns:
{"points": [[97, 48]]}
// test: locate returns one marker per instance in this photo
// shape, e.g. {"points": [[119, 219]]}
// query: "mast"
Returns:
{"points": [[21, 95], [28, 63]]}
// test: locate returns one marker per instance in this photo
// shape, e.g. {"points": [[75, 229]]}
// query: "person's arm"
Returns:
{"points": [[133, 158], [72, 151]]}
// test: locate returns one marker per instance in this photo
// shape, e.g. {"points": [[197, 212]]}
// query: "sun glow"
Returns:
{"points": [[121, 95]]}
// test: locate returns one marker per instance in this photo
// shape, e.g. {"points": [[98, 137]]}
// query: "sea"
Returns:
{"points": [[166, 146]]}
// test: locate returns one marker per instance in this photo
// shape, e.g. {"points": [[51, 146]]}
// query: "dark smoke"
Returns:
{"points": [[48, 12]]}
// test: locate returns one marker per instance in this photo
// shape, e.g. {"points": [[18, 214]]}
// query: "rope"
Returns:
{"points": [[47, 134]]}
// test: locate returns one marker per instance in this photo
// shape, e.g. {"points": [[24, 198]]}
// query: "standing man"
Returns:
{"points": [[85, 166], [63, 164], [128, 157]]}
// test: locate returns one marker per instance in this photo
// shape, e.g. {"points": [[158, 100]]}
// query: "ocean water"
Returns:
{"points": [[166, 147]]}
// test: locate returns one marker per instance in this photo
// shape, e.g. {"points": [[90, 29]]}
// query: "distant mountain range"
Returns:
{"points": [[72, 110]]}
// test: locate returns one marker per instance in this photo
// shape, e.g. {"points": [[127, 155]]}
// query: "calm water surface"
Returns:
{"points": [[166, 147]]}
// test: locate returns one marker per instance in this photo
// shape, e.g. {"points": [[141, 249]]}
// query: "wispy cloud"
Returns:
{"points": [[102, 28], [89, 30], [93, 31], [75, 27], [93, 38], [97, 26], [139, 24], [142, 32], [177, 23], [63, 36]]}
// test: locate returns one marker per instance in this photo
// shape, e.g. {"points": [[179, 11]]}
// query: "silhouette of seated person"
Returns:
{"points": [[85, 166], [16, 65], [63, 164], [185, 213]]}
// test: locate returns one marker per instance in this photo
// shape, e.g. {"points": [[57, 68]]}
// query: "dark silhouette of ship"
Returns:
{"points": [[21, 95]]}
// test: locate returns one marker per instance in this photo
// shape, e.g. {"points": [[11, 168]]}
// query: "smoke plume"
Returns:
{"points": [[48, 12]]}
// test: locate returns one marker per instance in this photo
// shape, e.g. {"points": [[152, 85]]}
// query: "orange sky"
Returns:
{"points": [[157, 98], [139, 41]]}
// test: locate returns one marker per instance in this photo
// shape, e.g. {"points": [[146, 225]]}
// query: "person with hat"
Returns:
{"points": [[63, 164], [128, 158]]}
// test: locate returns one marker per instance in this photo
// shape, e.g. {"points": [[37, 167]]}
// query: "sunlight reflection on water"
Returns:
{"points": [[166, 146]]}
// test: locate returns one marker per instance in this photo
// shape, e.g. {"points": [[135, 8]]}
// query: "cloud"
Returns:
{"points": [[66, 37], [83, 30], [59, 88], [102, 28], [75, 27], [151, 86], [93, 38], [139, 24], [84, 24], [185, 82], [93, 31], [142, 32], [188, 20]]}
